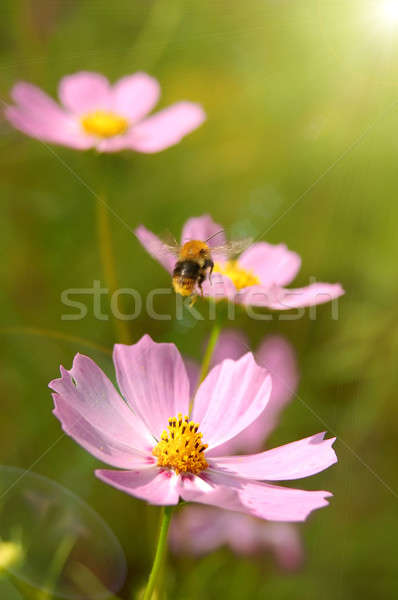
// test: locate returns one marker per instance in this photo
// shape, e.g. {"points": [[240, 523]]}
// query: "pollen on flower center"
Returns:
{"points": [[103, 123], [241, 278], [181, 448]]}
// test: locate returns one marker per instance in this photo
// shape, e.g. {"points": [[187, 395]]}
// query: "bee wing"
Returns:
{"points": [[166, 244], [230, 249]]}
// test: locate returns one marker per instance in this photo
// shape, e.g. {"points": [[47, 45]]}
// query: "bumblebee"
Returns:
{"points": [[193, 265], [195, 262]]}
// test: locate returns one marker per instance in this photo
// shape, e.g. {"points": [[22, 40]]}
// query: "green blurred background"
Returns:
{"points": [[301, 99]]}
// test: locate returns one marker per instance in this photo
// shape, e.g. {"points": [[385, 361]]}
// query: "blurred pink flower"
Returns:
{"points": [[257, 278], [163, 455], [199, 530], [94, 114]]}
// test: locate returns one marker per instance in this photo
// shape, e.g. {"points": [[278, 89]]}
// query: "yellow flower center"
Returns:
{"points": [[181, 448], [241, 278], [104, 123]]}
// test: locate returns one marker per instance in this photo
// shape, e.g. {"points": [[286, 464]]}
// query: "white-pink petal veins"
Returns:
{"points": [[252, 497], [291, 461], [155, 485], [277, 356], [99, 442], [153, 380], [87, 391], [231, 397]]}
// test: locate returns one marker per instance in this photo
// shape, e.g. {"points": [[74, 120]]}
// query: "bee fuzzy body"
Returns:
{"points": [[192, 267]]}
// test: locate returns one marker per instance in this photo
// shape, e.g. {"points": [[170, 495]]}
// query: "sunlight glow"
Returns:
{"points": [[389, 11]]}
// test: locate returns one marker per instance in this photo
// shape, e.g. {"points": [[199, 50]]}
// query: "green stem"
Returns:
{"points": [[160, 552], [214, 335], [122, 331], [57, 565]]}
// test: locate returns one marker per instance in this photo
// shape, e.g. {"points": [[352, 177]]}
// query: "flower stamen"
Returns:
{"points": [[241, 278], [103, 123], [181, 448]]}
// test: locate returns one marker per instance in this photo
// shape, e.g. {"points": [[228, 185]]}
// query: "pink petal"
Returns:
{"points": [[113, 144], [241, 532], [291, 461], [37, 115], [200, 530], [61, 130], [285, 543], [277, 356], [231, 397], [98, 442], [134, 96], [154, 485], [316, 293], [197, 530], [153, 380], [36, 102], [166, 128], [232, 344], [261, 500], [85, 391], [219, 287], [202, 228], [155, 247], [85, 91], [286, 299], [273, 265]]}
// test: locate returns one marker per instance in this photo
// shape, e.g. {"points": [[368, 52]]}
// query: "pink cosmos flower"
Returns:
{"points": [[166, 456], [199, 530], [257, 278], [94, 114]]}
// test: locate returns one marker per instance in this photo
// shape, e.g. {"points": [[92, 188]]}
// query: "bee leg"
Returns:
{"points": [[194, 297], [201, 279], [209, 264]]}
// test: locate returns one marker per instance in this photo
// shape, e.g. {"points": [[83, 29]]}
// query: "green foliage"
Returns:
{"points": [[299, 147]]}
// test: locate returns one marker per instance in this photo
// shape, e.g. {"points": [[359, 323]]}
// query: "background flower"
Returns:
{"points": [[132, 434], [94, 114], [199, 530], [256, 278]]}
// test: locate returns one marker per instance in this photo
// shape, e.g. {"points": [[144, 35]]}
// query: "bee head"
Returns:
{"points": [[195, 250]]}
